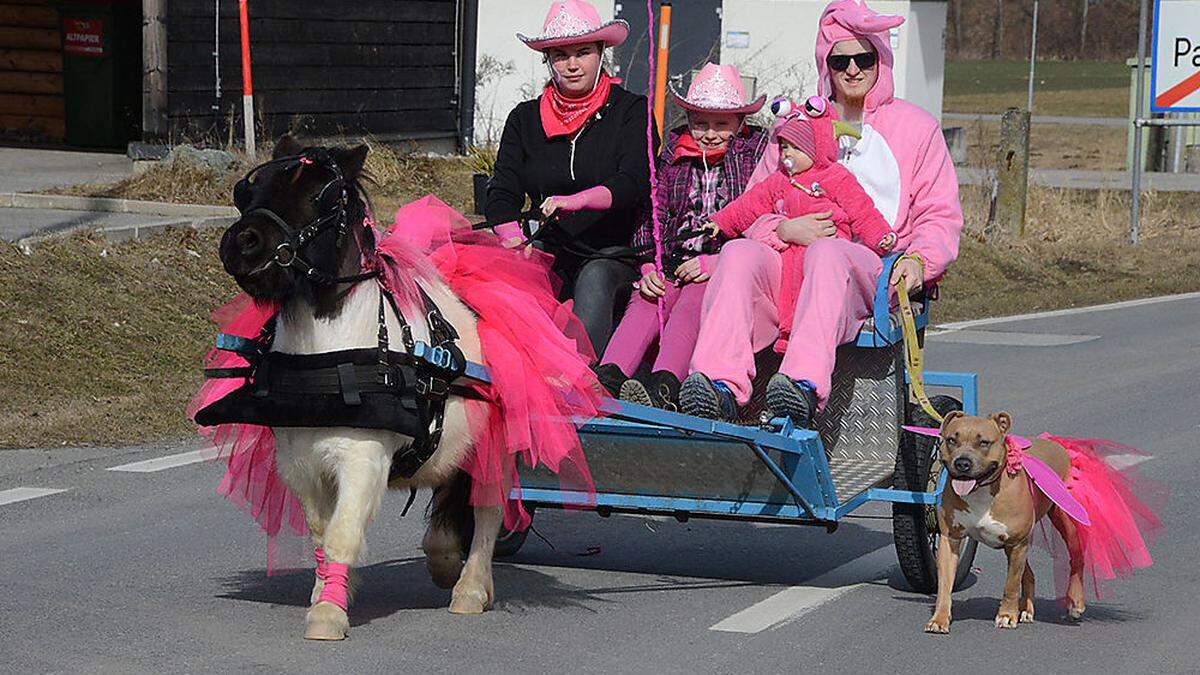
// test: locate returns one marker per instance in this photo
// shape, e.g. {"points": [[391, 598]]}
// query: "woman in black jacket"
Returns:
{"points": [[578, 152]]}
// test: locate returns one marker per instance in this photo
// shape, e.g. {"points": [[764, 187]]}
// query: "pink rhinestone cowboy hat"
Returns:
{"points": [[718, 89], [571, 22]]}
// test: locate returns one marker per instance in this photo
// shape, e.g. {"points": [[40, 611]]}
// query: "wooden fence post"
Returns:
{"points": [[154, 70], [1012, 175]]}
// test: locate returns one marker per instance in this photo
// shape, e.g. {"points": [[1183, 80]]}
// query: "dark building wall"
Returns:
{"points": [[380, 67]]}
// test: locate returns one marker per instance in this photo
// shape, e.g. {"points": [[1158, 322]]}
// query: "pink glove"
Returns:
{"points": [[592, 199]]}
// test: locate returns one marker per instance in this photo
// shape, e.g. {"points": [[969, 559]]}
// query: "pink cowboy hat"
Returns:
{"points": [[718, 89], [571, 22]]}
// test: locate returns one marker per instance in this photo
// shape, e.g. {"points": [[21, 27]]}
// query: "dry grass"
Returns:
{"points": [[1054, 146], [395, 178], [102, 343], [1075, 252]]}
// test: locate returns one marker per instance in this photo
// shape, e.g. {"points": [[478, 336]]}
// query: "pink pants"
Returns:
{"points": [[639, 328], [740, 316]]}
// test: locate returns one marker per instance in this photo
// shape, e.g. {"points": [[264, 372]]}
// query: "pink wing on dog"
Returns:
{"points": [[1055, 489]]}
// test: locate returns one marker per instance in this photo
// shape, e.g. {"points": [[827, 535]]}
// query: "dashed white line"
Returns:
{"points": [[794, 602], [23, 493], [163, 463]]}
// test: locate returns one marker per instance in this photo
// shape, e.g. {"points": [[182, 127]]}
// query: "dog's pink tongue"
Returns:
{"points": [[962, 487]]}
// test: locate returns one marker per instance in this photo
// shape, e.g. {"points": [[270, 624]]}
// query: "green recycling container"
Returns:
{"points": [[101, 73]]}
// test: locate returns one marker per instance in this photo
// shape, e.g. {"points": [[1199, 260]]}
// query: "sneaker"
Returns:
{"points": [[611, 378], [634, 391], [660, 390], [701, 397], [792, 398], [664, 390]]}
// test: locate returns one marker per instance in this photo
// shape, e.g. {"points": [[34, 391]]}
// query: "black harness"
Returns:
{"points": [[372, 388]]}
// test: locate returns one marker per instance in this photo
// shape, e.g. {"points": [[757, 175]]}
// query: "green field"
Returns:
{"points": [[1084, 88]]}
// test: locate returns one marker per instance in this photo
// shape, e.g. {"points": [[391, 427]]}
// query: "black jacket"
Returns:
{"points": [[610, 150]]}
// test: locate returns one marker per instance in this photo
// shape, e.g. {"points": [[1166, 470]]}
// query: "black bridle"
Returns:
{"points": [[331, 203]]}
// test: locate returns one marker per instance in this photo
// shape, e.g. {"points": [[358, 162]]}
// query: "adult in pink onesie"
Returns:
{"points": [[902, 163]]}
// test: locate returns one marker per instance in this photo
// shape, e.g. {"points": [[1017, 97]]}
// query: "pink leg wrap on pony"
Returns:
{"points": [[336, 583]]}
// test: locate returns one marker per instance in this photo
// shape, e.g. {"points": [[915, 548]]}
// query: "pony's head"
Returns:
{"points": [[301, 218]]}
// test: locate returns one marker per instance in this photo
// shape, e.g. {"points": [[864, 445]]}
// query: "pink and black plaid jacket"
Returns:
{"points": [[675, 181]]}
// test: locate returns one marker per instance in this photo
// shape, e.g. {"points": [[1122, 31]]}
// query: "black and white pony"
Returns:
{"points": [[295, 244]]}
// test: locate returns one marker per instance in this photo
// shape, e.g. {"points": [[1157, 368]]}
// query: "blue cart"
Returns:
{"points": [[650, 461]]}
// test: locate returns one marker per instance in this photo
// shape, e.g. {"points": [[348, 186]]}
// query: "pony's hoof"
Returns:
{"points": [[474, 601], [444, 569], [326, 621]]}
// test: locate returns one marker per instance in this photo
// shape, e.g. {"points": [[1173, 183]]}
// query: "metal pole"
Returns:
{"points": [[216, 106], [247, 85], [1032, 58], [1134, 215], [660, 77]]}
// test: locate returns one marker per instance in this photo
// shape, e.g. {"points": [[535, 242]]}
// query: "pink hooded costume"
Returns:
{"points": [[902, 162]]}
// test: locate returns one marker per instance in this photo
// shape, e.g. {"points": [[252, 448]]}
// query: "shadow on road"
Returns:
{"points": [[1045, 610], [385, 588]]}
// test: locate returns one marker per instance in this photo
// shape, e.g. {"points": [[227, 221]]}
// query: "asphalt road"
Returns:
{"points": [[153, 572]]}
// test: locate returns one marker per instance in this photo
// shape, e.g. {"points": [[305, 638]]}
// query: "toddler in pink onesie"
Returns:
{"points": [[809, 180]]}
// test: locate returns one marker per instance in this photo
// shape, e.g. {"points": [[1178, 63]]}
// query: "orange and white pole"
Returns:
{"points": [[247, 84], [660, 76]]}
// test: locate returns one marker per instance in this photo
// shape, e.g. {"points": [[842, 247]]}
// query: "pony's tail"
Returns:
{"points": [[1120, 505]]}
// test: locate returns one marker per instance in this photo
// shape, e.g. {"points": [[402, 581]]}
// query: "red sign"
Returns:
{"points": [[83, 37]]}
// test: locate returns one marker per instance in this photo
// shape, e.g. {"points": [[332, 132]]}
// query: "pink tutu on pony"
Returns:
{"points": [[535, 349]]}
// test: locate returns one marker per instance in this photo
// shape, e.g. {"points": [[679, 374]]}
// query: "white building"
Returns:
{"points": [[771, 40]]}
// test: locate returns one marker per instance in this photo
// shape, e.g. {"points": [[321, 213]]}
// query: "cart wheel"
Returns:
{"points": [[914, 526], [509, 542]]}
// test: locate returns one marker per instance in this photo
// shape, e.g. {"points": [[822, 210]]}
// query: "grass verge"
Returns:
{"points": [[1083, 88]]}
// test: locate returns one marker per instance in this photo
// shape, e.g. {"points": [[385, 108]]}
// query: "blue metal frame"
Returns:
{"points": [[803, 468]]}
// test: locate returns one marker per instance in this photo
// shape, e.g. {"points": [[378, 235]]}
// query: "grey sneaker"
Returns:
{"points": [[791, 398], [701, 397]]}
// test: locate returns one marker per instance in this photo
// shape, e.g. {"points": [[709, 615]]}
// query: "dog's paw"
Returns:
{"points": [[938, 625], [1075, 612], [1026, 616], [1006, 620]]}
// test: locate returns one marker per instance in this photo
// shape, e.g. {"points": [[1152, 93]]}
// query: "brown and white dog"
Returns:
{"points": [[986, 501]]}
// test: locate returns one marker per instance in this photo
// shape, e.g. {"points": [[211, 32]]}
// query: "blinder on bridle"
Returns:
{"points": [[330, 204]]}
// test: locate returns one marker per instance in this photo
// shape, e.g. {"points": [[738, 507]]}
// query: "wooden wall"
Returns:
{"points": [[31, 83], [383, 67]]}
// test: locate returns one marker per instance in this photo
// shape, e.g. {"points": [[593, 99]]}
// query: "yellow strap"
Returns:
{"points": [[913, 356]]}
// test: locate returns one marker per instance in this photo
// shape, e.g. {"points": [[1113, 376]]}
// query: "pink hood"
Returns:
{"points": [[847, 20]]}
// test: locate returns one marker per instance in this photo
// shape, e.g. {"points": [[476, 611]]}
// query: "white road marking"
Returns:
{"points": [[23, 493], [796, 601], [168, 462], [1068, 312], [1010, 339]]}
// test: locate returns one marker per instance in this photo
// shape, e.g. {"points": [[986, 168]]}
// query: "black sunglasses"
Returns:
{"points": [[864, 61]]}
